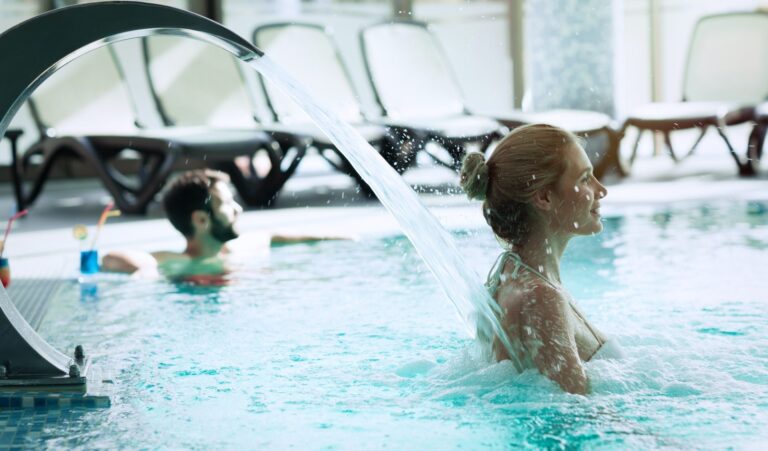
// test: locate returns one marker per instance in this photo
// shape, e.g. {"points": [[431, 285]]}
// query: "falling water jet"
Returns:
{"points": [[478, 311]]}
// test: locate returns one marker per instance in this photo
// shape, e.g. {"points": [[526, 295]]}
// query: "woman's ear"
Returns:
{"points": [[542, 199]]}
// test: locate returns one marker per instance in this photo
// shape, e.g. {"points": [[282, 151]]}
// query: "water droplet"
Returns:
{"points": [[575, 224]]}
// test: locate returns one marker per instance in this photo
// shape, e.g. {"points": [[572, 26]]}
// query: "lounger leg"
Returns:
{"points": [[457, 152], [13, 137], [284, 156], [336, 159], [253, 190], [291, 151], [399, 149], [485, 143], [746, 169], [698, 140], [670, 149], [49, 158], [612, 158], [129, 200], [756, 142], [633, 155]]}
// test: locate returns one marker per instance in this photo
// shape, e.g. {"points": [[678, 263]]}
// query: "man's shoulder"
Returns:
{"points": [[168, 256]]}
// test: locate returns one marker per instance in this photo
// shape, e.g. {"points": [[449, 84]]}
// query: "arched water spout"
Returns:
{"points": [[29, 53]]}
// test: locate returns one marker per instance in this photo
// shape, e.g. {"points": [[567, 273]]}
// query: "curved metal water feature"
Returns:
{"points": [[35, 49], [29, 53]]}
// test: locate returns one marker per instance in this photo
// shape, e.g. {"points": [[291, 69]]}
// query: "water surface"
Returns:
{"points": [[351, 345]]}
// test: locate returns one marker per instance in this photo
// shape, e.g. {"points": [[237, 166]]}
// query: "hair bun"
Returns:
{"points": [[474, 176]]}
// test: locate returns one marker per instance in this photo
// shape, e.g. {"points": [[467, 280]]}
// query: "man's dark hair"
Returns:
{"points": [[188, 192]]}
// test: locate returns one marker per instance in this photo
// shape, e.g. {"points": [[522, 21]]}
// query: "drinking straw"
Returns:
{"points": [[8, 228], [104, 215]]}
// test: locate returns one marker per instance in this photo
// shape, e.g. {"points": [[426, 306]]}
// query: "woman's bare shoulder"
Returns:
{"points": [[529, 295]]}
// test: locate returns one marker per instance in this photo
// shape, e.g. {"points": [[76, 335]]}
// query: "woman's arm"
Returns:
{"points": [[548, 334]]}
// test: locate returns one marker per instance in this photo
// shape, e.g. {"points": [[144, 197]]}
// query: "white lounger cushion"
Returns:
{"points": [[683, 110], [451, 126], [576, 121], [370, 132]]}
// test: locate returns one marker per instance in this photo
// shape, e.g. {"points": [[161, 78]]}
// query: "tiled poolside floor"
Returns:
{"points": [[29, 428]]}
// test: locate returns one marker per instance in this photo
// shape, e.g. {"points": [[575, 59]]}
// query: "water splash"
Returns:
{"points": [[434, 244]]}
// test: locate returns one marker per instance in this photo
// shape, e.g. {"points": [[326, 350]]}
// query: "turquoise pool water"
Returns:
{"points": [[351, 345]]}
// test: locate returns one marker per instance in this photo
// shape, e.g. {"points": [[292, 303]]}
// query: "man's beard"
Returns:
{"points": [[222, 232]]}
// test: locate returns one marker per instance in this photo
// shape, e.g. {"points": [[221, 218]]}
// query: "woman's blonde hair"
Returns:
{"points": [[527, 160]]}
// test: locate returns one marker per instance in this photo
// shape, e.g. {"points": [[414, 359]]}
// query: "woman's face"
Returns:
{"points": [[576, 199]]}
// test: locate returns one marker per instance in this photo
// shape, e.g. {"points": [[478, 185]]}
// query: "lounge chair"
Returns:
{"points": [[587, 124], [417, 93], [320, 69], [726, 75], [85, 111], [425, 99], [196, 84]]}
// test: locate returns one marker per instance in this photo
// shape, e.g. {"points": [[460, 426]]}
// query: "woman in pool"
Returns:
{"points": [[539, 192]]}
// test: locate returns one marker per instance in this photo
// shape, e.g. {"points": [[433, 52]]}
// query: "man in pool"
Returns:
{"points": [[201, 206]]}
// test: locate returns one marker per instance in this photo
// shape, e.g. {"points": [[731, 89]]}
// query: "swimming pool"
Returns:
{"points": [[351, 345]]}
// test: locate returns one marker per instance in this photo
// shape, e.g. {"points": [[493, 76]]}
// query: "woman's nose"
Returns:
{"points": [[602, 191]]}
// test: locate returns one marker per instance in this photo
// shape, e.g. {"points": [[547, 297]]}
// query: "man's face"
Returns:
{"points": [[224, 213]]}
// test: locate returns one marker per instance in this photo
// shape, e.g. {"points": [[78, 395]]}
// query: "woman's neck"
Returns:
{"points": [[542, 252]]}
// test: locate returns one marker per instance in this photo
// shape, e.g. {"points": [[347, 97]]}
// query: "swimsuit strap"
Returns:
{"points": [[600, 342], [494, 275], [519, 262], [494, 279]]}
